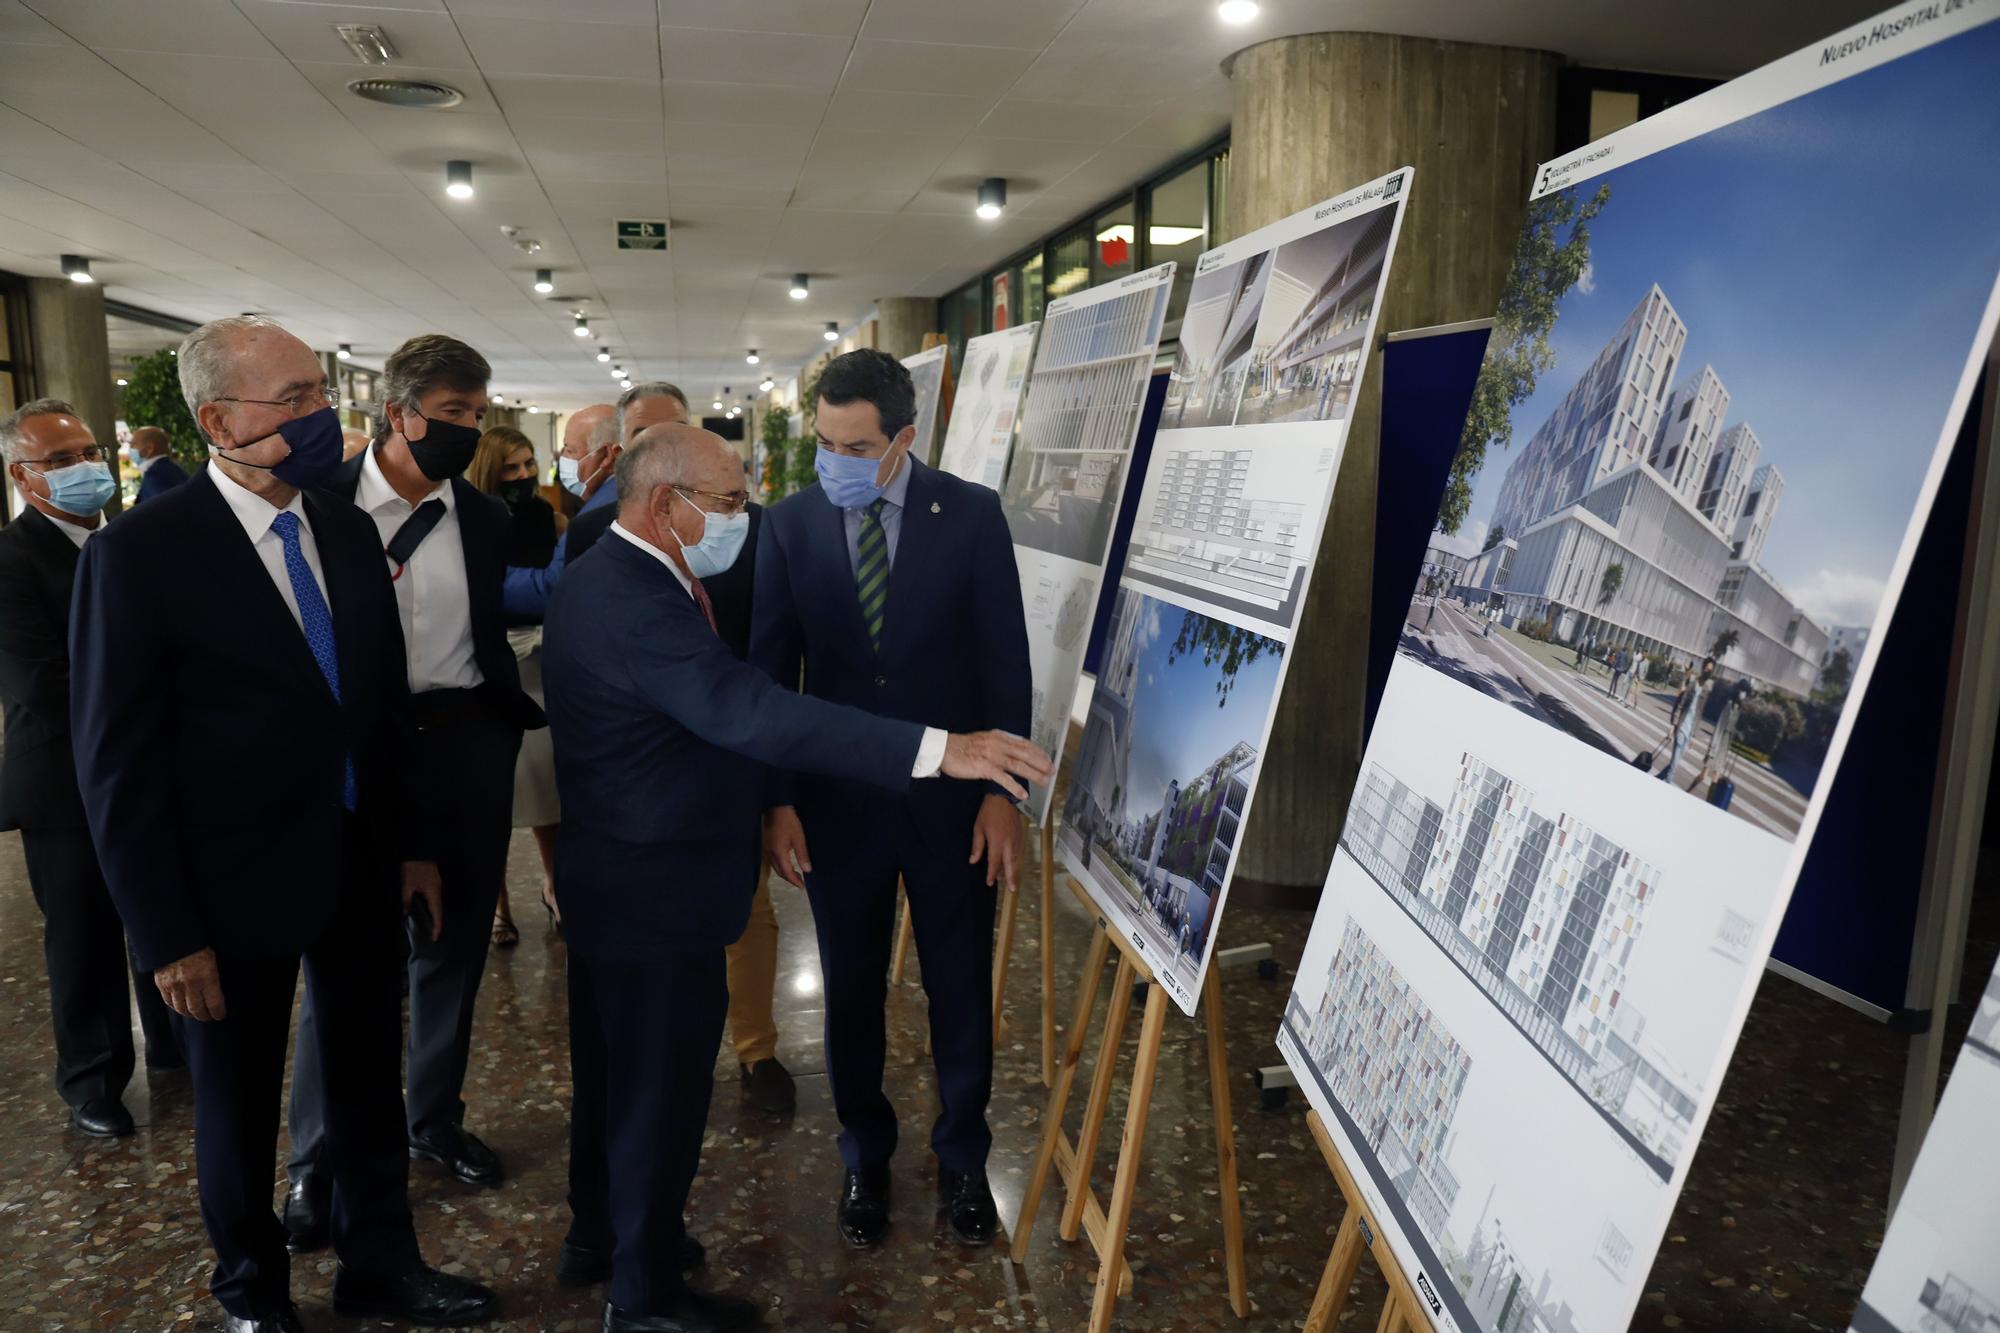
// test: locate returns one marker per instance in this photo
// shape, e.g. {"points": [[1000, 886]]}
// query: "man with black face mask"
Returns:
{"points": [[445, 548]]}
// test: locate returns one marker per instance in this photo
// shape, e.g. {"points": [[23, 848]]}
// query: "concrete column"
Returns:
{"points": [[902, 322], [1316, 115], [71, 355]]}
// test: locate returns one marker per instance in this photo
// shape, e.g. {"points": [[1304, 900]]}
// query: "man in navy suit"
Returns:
{"points": [[662, 741], [61, 475], [894, 586], [158, 472], [444, 546], [246, 796]]}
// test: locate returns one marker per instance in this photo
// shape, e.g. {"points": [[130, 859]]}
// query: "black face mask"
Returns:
{"points": [[446, 448], [517, 492]]}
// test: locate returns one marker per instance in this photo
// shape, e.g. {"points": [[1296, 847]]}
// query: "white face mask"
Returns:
{"points": [[566, 473], [721, 542]]}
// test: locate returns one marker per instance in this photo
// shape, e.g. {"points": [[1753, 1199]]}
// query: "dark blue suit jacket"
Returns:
{"points": [[954, 649], [209, 750], [661, 738], [158, 479]]}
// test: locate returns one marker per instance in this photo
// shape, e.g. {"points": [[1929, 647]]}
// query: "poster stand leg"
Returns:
{"points": [[1048, 954], [1951, 856], [905, 935], [1106, 1227], [1003, 953], [1359, 1233]]}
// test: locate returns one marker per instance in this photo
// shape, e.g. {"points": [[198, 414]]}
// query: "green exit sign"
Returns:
{"points": [[642, 235]]}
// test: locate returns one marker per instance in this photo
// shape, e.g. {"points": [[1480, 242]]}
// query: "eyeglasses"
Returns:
{"points": [[57, 462], [733, 503], [305, 400]]}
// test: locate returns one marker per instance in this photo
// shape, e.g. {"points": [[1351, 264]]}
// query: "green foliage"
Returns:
{"points": [[1234, 648], [1494, 538], [776, 448], [1765, 722], [1836, 676], [1608, 586], [1658, 669], [799, 471], [1724, 642], [1546, 265], [153, 398]]}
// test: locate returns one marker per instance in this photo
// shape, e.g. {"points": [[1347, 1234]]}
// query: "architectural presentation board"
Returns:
{"points": [[1276, 336], [1938, 1270], [1532, 956], [980, 435], [927, 376], [1085, 392]]}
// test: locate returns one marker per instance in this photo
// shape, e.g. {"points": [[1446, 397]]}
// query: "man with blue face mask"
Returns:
{"points": [[894, 587], [60, 472], [662, 741]]}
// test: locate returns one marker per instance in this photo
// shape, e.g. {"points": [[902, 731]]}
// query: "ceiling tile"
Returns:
{"points": [[1022, 23], [576, 134], [1036, 161], [554, 166], [703, 55], [547, 46], [1063, 122], [594, 98], [746, 104], [921, 67], [306, 32], [903, 113], [834, 196], [191, 27], [833, 18], [573, 11], [21, 25]]}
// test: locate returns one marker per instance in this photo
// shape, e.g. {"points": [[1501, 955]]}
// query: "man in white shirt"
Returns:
{"points": [[248, 799], [444, 547]]}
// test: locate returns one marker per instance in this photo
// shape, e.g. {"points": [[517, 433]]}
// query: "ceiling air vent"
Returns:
{"points": [[418, 93]]}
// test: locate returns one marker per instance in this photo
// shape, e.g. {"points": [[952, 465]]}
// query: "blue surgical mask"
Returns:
{"points": [[721, 542], [849, 482], [571, 479], [82, 489]]}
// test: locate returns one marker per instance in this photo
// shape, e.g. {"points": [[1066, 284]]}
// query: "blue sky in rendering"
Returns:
{"points": [[1831, 258], [1178, 730]]}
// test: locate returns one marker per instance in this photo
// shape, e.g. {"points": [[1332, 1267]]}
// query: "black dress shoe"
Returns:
{"points": [[690, 1312], [460, 1153], [421, 1296], [586, 1266], [307, 1210], [283, 1321], [102, 1118], [864, 1206], [970, 1201], [769, 1087]]}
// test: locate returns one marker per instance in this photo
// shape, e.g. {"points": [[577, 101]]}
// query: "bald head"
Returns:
{"points": [[149, 442], [578, 429], [675, 455]]}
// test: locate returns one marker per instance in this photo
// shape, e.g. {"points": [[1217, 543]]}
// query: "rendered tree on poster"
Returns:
{"points": [[1494, 538], [1608, 586], [1724, 642], [1836, 675], [1229, 646], [1553, 256]]}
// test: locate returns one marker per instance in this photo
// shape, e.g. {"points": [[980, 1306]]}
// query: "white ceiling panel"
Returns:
{"points": [[20, 24], [1023, 23], [831, 18], [799, 60], [744, 104], [831, 195], [559, 46], [869, 110], [925, 67], [1061, 122], [189, 27], [305, 33]]}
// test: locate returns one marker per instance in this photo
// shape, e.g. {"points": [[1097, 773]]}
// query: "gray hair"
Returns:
{"points": [[10, 425], [649, 389], [207, 370], [661, 456], [604, 432]]}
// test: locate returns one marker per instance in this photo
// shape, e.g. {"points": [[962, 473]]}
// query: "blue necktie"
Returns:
{"points": [[317, 622]]}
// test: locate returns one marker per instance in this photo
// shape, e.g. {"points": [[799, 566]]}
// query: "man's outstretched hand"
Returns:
{"points": [[997, 757]]}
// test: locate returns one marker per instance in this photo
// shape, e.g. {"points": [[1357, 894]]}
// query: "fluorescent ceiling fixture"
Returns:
{"points": [[801, 285], [1236, 11], [458, 179], [76, 268], [346, 352], [545, 280]]}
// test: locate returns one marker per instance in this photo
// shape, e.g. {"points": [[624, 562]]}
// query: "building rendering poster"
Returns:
{"points": [[1086, 389], [1939, 1267], [980, 435], [1738, 342], [927, 375], [1273, 346]]}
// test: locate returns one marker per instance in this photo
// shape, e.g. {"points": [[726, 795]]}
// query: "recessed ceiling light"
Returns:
{"points": [[992, 197], [458, 179], [582, 329], [545, 280], [801, 286], [832, 333], [1236, 11], [346, 352], [533, 409], [716, 405], [617, 372], [752, 358], [499, 397], [76, 268], [604, 354]]}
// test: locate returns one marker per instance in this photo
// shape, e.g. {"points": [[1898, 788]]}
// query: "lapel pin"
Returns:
{"points": [[935, 509]]}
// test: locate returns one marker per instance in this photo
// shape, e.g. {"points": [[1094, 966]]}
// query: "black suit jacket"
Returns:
{"points": [[37, 767], [729, 592], [210, 751], [484, 530], [160, 478]]}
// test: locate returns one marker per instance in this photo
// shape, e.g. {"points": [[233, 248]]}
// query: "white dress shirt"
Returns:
{"points": [[431, 595], [76, 532], [255, 513], [930, 754]]}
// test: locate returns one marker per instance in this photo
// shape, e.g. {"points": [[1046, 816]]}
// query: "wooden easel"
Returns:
{"points": [[1106, 1228], [1003, 954], [1359, 1233]]}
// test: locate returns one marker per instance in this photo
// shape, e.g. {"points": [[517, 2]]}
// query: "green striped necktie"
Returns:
{"points": [[871, 572]]}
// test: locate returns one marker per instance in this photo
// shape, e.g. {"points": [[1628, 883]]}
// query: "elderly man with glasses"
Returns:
{"points": [[244, 796]]}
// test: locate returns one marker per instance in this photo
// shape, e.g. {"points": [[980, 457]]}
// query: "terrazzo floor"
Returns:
{"points": [[1776, 1229]]}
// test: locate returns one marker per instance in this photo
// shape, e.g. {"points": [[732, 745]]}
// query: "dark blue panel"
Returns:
{"points": [[1121, 536]]}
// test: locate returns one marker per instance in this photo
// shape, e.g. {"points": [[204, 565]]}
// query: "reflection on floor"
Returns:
{"points": [[1776, 1229]]}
